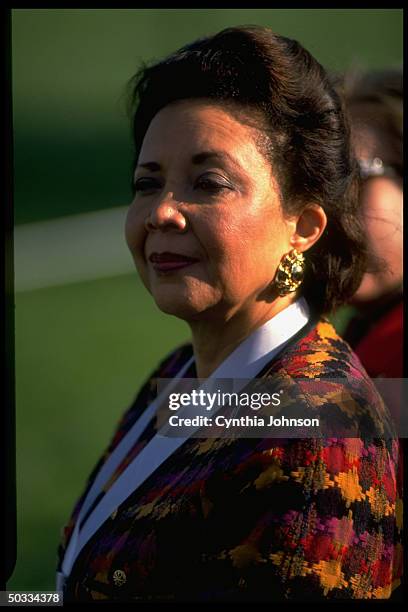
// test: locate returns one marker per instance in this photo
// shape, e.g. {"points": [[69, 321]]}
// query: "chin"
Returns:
{"points": [[188, 298], [371, 289], [177, 304]]}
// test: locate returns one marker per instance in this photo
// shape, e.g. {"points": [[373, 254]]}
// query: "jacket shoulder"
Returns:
{"points": [[320, 352], [323, 377]]}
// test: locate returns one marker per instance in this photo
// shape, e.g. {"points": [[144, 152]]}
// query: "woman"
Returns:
{"points": [[244, 223], [375, 104]]}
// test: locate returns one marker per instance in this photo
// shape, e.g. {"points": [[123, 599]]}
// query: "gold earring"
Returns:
{"points": [[290, 273]]}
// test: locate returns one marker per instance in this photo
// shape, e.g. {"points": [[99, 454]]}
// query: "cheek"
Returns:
{"points": [[382, 205], [258, 241], [225, 246], [135, 233], [242, 252]]}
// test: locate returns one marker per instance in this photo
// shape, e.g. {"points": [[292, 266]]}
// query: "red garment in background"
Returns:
{"points": [[380, 350]]}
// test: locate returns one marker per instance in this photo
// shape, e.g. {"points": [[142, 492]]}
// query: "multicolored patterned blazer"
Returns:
{"points": [[244, 519]]}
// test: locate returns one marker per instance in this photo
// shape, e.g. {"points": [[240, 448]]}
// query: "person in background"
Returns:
{"points": [[374, 103]]}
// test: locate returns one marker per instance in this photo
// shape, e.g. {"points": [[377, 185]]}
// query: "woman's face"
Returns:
{"points": [[205, 227], [382, 204]]}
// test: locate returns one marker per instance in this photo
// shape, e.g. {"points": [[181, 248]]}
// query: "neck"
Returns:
{"points": [[214, 340]]}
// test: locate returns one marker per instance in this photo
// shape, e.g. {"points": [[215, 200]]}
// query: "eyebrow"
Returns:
{"points": [[197, 159], [152, 166], [200, 158]]}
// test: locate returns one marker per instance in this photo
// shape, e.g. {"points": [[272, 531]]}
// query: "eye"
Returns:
{"points": [[212, 183], [145, 184]]}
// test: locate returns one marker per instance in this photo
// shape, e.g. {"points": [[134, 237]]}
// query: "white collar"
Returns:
{"points": [[265, 342]]}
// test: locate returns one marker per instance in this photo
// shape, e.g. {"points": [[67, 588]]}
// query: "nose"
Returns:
{"points": [[166, 215]]}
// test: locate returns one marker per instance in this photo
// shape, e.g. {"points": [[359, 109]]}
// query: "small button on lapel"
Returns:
{"points": [[119, 577]]}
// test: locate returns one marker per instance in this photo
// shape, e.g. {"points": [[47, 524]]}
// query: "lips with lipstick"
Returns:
{"points": [[169, 262]]}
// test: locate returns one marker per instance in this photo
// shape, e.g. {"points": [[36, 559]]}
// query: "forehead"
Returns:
{"points": [[364, 142], [200, 124]]}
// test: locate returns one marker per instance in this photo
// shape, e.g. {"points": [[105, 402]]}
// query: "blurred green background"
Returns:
{"points": [[87, 333]]}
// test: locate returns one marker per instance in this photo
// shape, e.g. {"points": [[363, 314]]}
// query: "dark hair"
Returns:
{"points": [[374, 101], [274, 77]]}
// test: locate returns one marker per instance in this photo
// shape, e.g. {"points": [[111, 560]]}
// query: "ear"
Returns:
{"points": [[309, 227]]}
